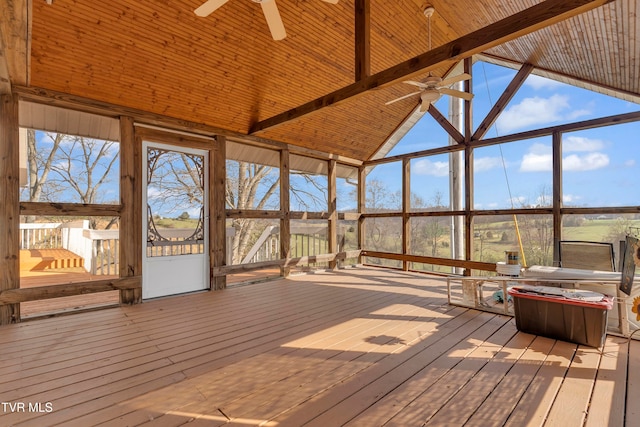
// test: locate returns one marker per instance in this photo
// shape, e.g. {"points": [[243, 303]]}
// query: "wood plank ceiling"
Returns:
{"points": [[225, 70]]}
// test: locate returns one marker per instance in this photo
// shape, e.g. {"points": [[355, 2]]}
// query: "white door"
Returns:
{"points": [[175, 256]]}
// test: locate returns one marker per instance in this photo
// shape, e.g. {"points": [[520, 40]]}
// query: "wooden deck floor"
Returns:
{"points": [[358, 347], [63, 305]]}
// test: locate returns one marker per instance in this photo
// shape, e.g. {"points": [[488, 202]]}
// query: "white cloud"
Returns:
{"points": [[532, 111], [538, 159], [579, 143], [481, 164], [427, 167], [537, 111], [630, 163], [576, 114], [538, 82], [570, 198], [540, 148], [587, 162]]}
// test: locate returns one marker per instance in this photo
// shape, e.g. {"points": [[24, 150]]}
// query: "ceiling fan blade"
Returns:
{"points": [[464, 95], [424, 106], [331, 1], [274, 21], [208, 7], [402, 97], [454, 79], [415, 83]]}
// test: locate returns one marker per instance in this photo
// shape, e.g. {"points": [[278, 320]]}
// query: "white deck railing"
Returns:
{"points": [[100, 249], [40, 236]]}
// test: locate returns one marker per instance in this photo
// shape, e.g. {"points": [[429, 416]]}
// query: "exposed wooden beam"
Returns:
{"points": [[541, 15], [79, 209], [557, 196], [362, 42], [9, 212], [505, 98], [166, 123], [406, 208], [285, 210], [423, 153], [446, 124], [131, 209], [468, 105], [14, 296], [362, 197], [218, 219], [570, 127], [476, 265], [332, 206], [5, 79], [14, 43]]}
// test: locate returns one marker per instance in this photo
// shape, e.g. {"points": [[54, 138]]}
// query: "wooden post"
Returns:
{"points": [[285, 210], [131, 213], [468, 168], [333, 212], [406, 207], [10, 207], [456, 184], [218, 217], [557, 196], [362, 196]]}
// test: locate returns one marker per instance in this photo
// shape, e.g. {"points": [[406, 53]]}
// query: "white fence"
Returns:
{"points": [[100, 249]]}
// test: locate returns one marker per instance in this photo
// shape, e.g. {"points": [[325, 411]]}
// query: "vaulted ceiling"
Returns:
{"points": [[225, 71]]}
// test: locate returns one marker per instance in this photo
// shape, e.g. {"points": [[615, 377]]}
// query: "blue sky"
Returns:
{"points": [[600, 166]]}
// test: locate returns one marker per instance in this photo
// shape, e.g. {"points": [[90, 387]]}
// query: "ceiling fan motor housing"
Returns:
{"points": [[429, 96]]}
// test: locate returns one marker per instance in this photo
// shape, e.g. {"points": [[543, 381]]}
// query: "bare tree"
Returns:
{"points": [[175, 180], [249, 186], [68, 168], [84, 165], [537, 231], [39, 164]]}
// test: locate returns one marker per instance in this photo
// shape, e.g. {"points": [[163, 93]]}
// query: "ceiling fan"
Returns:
{"points": [[434, 87], [269, 8]]}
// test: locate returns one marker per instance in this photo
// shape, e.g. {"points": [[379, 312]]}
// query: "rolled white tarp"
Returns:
{"points": [[559, 273], [505, 269]]}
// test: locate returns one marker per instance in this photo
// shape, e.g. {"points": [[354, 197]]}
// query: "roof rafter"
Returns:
{"points": [[446, 124], [505, 98], [362, 44], [524, 22]]}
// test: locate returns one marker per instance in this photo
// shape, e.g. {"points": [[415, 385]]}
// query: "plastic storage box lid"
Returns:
{"points": [[579, 297]]}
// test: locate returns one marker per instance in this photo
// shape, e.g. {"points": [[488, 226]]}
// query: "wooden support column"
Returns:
{"points": [[468, 168], [131, 217], [406, 208], [362, 196], [285, 210], [468, 203], [362, 36], [333, 212], [217, 214], [557, 196], [10, 207]]}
